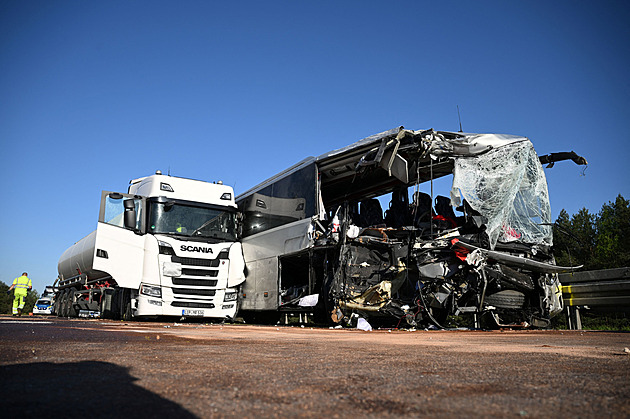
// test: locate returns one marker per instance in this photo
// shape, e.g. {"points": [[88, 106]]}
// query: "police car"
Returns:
{"points": [[43, 306]]}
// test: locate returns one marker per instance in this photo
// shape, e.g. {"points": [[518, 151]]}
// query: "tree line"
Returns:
{"points": [[597, 241]]}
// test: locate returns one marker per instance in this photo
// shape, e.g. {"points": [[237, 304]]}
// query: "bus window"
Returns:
{"points": [[289, 199]]}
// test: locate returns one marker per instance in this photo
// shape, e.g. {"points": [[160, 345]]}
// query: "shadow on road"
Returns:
{"points": [[79, 389]]}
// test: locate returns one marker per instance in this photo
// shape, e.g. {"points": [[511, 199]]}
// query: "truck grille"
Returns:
{"points": [[197, 275], [200, 272], [195, 282], [191, 305], [192, 291], [210, 263]]}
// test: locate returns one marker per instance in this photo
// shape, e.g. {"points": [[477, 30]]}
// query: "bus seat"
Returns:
{"points": [[371, 212]]}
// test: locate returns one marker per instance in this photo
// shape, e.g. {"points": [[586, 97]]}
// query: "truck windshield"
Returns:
{"points": [[192, 221]]}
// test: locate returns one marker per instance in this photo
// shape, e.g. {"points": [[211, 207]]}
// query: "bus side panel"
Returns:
{"points": [[260, 289], [288, 238], [261, 251]]}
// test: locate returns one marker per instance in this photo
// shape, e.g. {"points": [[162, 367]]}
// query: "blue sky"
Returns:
{"points": [[96, 93]]}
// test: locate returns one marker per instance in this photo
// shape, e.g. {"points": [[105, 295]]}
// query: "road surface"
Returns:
{"points": [[53, 368]]}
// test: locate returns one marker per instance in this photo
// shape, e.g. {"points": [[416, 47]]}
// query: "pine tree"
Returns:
{"points": [[600, 241], [613, 234], [574, 239]]}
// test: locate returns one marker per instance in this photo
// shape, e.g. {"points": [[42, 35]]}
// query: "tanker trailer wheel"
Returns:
{"points": [[59, 303], [72, 310], [64, 304]]}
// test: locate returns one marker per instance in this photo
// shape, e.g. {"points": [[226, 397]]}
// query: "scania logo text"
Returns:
{"points": [[185, 248]]}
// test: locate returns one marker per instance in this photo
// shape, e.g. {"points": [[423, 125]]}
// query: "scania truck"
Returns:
{"points": [[167, 247]]}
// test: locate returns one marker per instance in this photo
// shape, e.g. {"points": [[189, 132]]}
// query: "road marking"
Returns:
{"points": [[25, 321]]}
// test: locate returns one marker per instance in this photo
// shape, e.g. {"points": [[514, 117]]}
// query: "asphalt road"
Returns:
{"points": [[54, 368]]}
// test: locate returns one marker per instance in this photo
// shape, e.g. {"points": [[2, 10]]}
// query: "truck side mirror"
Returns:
{"points": [[130, 214]]}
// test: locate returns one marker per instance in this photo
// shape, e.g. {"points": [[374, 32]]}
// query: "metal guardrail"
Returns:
{"points": [[603, 289]]}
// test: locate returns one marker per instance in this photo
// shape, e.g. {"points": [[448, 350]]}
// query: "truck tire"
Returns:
{"points": [[106, 304], [62, 304], [72, 310], [125, 305], [57, 305], [66, 304]]}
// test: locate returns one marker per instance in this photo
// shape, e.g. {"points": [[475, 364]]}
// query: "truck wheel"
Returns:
{"points": [[57, 305], [125, 305], [72, 310], [62, 304], [106, 305], [66, 303]]}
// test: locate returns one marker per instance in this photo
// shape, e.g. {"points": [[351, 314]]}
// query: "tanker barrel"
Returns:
{"points": [[78, 258]]}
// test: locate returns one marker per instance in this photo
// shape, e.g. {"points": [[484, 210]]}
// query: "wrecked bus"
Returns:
{"points": [[316, 239]]}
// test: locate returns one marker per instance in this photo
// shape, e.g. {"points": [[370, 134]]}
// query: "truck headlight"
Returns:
{"points": [[230, 296], [165, 248], [151, 290]]}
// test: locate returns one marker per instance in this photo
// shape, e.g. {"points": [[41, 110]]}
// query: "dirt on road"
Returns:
{"points": [[53, 367]]}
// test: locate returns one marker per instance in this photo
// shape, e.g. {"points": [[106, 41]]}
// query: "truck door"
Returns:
{"points": [[120, 238]]}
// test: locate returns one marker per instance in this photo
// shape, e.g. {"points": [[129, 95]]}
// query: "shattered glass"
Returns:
{"points": [[507, 185]]}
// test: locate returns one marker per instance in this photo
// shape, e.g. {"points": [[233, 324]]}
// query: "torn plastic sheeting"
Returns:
{"points": [[309, 300], [363, 324]]}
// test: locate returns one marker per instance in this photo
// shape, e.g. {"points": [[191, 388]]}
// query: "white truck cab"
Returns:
{"points": [[168, 247]]}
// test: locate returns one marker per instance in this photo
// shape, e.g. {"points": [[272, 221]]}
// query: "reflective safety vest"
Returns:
{"points": [[21, 285]]}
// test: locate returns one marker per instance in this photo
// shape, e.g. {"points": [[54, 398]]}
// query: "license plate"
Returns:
{"points": [[192, 313]]}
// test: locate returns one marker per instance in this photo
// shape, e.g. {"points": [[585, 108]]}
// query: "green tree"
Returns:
{"points": [[5, 299], [574, 238], [613, 235], [599, 241]]}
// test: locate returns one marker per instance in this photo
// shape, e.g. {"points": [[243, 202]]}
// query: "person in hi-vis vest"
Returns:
{"points": [[21, 286]]}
